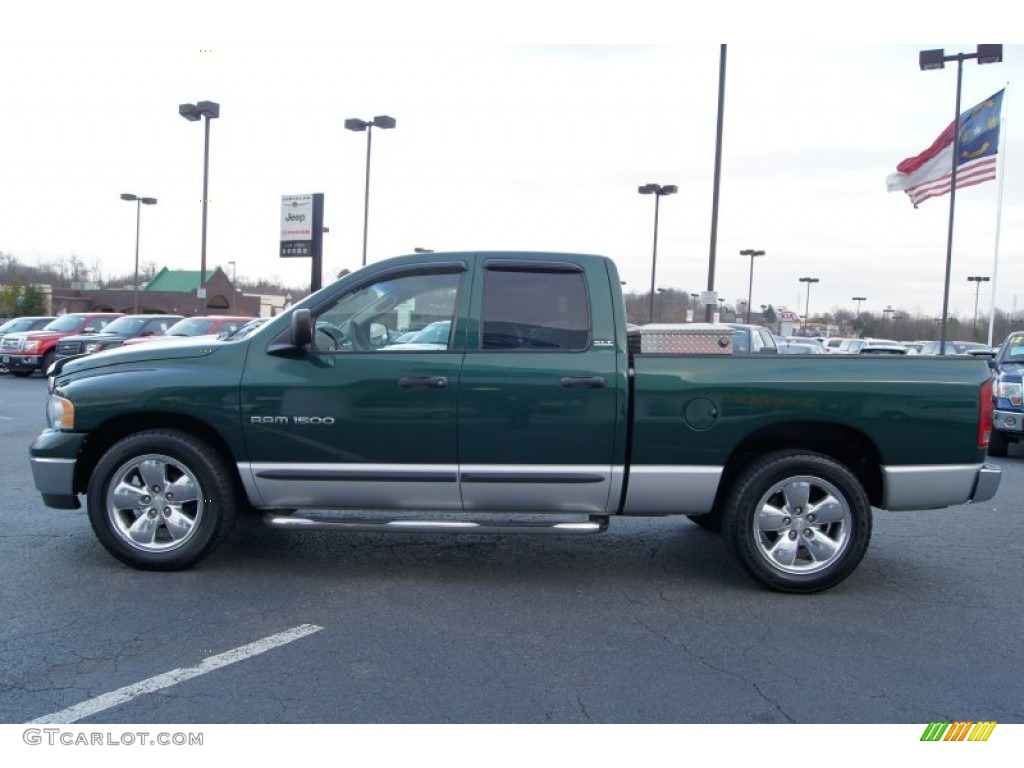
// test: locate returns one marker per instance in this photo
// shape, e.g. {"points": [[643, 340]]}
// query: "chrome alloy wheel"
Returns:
{"points": [[802, 525], [154, 503]]}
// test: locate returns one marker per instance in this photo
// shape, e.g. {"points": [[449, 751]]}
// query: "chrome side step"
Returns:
{"points": [[326, 522]]}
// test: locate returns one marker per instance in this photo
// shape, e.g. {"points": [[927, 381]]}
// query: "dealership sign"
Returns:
{"points": [[297, 225]]}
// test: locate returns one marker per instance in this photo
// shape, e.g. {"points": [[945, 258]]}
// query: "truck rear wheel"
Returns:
{"points": [[798, 521], [161, 500]]}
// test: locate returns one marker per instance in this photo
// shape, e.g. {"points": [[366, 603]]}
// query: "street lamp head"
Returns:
{"points": [[658, 189], [990, 54], [147, 200], [189, 111], [193, 112], [128, 196], [933, 59], [384, 121], [751, 252], [208, 109], [809, 280], [355, 124]]}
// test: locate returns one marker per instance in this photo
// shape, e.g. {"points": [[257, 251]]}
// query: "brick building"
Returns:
{"points": [[169, 292]]}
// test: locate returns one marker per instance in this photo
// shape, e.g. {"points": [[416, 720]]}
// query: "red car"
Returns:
{"points": [[208, 325], [24, 353]]}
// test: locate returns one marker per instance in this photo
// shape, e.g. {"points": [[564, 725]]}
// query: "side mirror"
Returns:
{"points": [[302, 328], [380, 336]]}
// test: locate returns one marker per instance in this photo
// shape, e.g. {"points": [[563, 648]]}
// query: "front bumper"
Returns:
{"points": [[1008, 421], [52, 457], [21, 362]]}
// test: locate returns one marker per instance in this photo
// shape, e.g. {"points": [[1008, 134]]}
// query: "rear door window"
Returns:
{"points": [[535, 309]]}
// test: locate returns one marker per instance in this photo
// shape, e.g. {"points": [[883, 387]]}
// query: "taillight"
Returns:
{"points": [[985, 413]]}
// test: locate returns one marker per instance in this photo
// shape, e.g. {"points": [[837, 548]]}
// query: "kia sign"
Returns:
{"points": [[296, 225], [785, 316]]}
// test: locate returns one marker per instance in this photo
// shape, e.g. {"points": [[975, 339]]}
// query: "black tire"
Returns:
{"points": [[998, 444], [47, 362], [798, 521], [22, 374], [171, 479], [711, 522]]}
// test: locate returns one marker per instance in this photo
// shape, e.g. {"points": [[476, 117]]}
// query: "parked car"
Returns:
{"points": [[22, 325], [952, 347], [752, 339], [202, 325], [116, 334], [799, 347], [854, 346], [431, 336], [1008, 418], [25, 353], [879, 348], [169, 443], [832, 343]]}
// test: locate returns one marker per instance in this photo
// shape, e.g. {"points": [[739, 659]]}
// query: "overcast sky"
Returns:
{"points": [[510, 135]]}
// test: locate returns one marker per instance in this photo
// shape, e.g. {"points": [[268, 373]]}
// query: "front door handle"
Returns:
{"points": [[582, 382], [423, 382]]}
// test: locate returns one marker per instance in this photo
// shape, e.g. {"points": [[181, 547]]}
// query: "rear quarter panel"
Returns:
{"points": [[697, 410]]}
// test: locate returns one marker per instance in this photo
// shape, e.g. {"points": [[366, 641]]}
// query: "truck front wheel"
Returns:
{"points": [[798, 521], [161, 500]]}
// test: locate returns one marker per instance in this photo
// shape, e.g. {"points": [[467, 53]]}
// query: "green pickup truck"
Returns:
{"points": [[529, 408]]}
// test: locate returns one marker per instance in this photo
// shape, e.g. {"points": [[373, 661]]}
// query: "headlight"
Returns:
{"points": [[1009, 390], [94, 346], [60, 413], [31, 346]]}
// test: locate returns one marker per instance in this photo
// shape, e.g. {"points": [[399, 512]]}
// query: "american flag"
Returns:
{"points": [[929, 174]]}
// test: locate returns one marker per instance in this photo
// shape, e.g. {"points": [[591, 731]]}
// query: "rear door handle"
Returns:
{"points": [[582, 382], [423, 382]]}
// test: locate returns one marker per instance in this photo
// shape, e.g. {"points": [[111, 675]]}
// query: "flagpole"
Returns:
{"points": [[999, 219], [952, 205]]}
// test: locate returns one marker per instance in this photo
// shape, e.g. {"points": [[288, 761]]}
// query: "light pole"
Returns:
{"points": [[192, 113], [139, 202], [807, 305], [978, 279], [936, 58], [750, 289], [657, 190], [355, 124], [888, 315], [859, 299]]}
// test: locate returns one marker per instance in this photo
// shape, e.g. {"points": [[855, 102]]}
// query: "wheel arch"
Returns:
{"points": [[848, 446], [102, 438]]}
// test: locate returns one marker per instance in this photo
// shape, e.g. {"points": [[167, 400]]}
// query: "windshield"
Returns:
{"points": [[129, 326], [1013, 350], [191, 326], [66, 323]]}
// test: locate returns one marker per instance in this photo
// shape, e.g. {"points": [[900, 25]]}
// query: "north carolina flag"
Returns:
{"points": [[929, 173]]}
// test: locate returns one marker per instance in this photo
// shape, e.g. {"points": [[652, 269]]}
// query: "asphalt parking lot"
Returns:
{"points": [[651, 622]]}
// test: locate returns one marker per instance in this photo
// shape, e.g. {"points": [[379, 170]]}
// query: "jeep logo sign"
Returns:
{"points": [[296, 225]]}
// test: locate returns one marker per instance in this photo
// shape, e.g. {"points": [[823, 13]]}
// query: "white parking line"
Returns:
{"points": [[166, 680]]}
